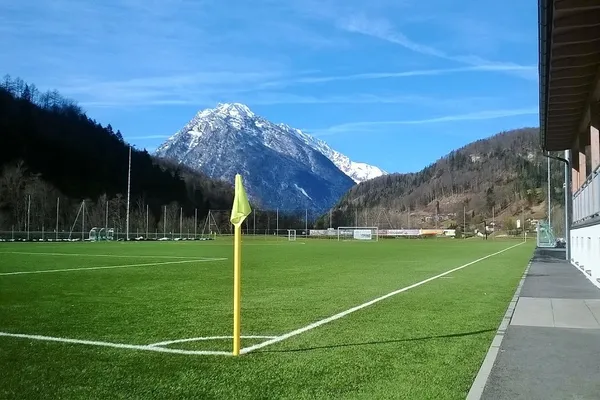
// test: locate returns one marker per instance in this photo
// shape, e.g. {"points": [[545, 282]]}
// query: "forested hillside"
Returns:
{"points": [[502, 175], [50, 149]]}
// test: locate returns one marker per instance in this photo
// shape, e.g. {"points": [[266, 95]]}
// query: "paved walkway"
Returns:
{"points": [[550, 349]]}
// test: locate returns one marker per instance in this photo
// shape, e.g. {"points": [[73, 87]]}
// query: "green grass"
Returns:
{"points": [[425, 343]]}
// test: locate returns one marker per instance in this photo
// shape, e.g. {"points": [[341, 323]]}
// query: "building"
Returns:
{"points": [[570, 117]]}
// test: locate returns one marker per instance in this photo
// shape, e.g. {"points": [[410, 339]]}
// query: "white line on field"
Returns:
{"points": [[32, 253], [207, 338], [110, 267], [364, 305], [117, 345]]}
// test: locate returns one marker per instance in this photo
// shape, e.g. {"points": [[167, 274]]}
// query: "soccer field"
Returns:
{"points": [[320, 319]]}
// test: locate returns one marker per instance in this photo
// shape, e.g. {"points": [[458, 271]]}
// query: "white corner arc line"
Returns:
{"points": [[108, 267], [116, 345], [207, 338], [37, 253], [364, 305]]}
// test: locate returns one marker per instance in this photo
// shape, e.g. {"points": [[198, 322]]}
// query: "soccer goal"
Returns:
{"points": [[292, 235], [358, 233]]}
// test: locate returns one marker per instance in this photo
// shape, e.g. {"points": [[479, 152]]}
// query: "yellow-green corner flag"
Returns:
{"points": [[241, 207], [240, 210]]}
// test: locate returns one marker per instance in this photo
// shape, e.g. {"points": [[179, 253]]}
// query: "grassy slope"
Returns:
{"points": [[425, 343]]}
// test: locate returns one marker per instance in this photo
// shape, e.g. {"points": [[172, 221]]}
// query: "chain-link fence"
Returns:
{"points": [[34, 219]]}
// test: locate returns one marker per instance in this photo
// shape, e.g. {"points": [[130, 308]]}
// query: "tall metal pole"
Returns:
{"points": [[106, 218], [82, 220], [568, 206], [254, 217], [523, 218], [549, 198], [180, 222], [57, 213], [28, 213], [464, 221], [306, 223], [494, 218], [165, 222], [195, 223], [146, 221], [128, 195]]}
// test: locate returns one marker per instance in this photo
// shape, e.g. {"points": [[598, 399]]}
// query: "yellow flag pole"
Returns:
{"points": [[237, 263], [240, 210]]}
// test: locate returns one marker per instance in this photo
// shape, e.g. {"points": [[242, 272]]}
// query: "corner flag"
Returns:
{"points": [[240, 210]]}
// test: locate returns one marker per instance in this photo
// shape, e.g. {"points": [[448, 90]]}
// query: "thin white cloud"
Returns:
{"points": [[524, 69], [382, 29], [370, 126]]}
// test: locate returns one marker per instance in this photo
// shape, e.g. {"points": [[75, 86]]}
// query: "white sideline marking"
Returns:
{"points": [[109, 267], [361, 306], [35, 253], [117, 345], [206, 338]]}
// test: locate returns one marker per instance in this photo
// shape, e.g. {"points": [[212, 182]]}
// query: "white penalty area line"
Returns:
{"points": [[36, 253], [117, 345], [342, 314], [111, 266]]}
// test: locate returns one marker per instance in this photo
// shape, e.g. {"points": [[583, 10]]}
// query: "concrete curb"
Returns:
{"points": [[486, 367]]}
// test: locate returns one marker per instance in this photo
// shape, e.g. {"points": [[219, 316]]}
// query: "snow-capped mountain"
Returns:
{"points": [[282, 167], [359, 172]]}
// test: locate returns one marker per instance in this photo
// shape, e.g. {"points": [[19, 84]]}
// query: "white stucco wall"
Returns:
{"points": [[585, 251]]}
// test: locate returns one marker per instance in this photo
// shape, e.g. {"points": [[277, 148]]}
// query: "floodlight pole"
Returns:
{"points": [[165, 222], [28, 214], [523, 218], [306, 224], [494, 219], [57, 213], [128, 195], [83, 220], [147, 221], [464, 221], [106, 217]]}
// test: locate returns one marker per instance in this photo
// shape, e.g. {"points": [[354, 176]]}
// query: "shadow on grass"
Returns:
{"points": [[336, 346]]}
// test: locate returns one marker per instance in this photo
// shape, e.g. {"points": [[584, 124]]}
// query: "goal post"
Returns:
{"points": [[292, 235], [368, 233]]}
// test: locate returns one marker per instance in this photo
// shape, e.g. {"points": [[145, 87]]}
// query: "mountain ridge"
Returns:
{"points": [[283, 166], [50, 148], [503, 173]]}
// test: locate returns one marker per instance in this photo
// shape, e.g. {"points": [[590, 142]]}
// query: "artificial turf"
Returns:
{"points": [[425, 343]]}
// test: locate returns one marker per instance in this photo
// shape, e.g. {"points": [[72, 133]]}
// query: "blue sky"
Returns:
{"points": [[395, 83]]}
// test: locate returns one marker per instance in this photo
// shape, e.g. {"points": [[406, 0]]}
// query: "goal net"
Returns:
{"points": [[292, 235], [358, 233]]}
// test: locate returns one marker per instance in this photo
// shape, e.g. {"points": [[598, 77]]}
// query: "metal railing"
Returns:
{"points": [[586, 201]]}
